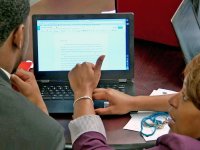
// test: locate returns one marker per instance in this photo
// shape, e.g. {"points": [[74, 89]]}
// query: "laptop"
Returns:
{"points": [[62, 41], [186, 25]]}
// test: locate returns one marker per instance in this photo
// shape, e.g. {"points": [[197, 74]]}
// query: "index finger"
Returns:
{"points": [[99, 62]]}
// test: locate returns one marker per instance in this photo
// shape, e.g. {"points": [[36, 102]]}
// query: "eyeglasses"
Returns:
{"points": [[154, 122]]}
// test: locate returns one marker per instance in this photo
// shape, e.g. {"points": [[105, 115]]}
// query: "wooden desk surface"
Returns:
{"points": [[147, 78]]}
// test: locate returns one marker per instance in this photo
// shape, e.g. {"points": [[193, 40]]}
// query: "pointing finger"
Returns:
{"points": [[99, 62]]}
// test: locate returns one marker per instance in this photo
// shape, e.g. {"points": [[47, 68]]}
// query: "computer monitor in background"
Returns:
{"points": [[186, 25]]}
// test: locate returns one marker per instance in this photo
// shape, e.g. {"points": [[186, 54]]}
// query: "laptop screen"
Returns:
{"points": [[68, 42], [62, 41]]}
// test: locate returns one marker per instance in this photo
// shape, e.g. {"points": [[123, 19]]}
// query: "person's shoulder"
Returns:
{"points": [[177, 141], [30, 123]]}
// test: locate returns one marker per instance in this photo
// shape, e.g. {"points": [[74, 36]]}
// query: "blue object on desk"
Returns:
{"points": [[152, 121]]}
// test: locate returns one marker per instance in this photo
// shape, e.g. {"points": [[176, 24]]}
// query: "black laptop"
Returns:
{"points": [[62, 41]]}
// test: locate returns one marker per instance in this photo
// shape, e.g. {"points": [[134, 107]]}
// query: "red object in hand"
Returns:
{"points": [[26, 65]]}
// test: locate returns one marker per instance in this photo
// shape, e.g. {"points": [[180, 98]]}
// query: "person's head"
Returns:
{"points": [[185, 106], [13, 32]]}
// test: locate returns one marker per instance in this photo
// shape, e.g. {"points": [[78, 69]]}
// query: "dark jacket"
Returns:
{"points": [[23, 125]]}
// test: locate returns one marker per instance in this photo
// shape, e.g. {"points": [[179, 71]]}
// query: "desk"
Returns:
{"points": [[155, 66], [116, 135]]}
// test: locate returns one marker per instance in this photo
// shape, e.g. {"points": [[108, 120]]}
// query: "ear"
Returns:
{"points": [[18, 37]]}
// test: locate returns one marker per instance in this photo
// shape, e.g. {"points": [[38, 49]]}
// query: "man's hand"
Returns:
{"points": [[25, 83], [119, 103]]}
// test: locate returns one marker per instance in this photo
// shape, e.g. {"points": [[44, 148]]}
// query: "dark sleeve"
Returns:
{"points": [[25, 127], [91, 141], [174, 141], [59, 141]]}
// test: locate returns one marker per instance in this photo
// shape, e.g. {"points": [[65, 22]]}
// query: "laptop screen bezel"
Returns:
{"points": [[62, 75]]}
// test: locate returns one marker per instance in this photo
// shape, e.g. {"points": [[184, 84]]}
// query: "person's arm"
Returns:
{"points": [[176, 141], [25, 83], [152, 103], [120, 103], [83, 80], [86, 129]]}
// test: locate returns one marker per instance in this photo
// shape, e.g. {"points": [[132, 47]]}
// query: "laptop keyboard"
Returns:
{"points": [[116, 86], [58, 91]]}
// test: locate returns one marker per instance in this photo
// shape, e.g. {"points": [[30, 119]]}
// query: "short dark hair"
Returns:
{"points": [[12, 14]]}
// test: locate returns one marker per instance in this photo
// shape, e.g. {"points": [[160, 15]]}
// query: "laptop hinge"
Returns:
{"points": [[122, 80]]}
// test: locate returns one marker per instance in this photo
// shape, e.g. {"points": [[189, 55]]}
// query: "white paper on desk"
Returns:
{"points": [[162, 92], [135, 121], [135, 125], [136, 118]]}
